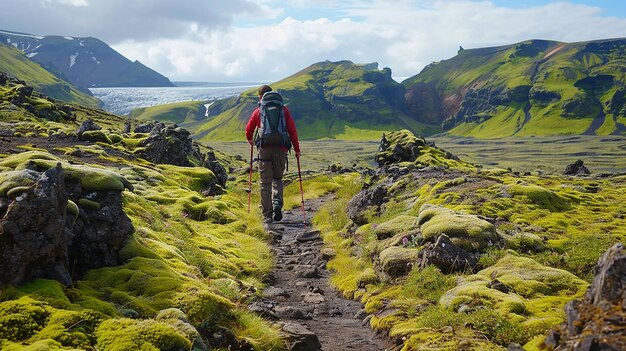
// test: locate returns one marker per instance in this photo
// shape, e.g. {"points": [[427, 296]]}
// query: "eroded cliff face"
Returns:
{"points": [[524, 89]]}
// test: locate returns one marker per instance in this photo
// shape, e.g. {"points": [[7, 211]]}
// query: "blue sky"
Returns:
{"points": [[266, 40]]}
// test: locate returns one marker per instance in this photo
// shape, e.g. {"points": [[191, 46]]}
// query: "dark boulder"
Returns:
{"points": [[20, 94], [67, 229], [448, 257], [169, 145], [597, 321], [576, 168], [210, 162], [299, 338], [149, 127], [34, 245], [360, 203]]}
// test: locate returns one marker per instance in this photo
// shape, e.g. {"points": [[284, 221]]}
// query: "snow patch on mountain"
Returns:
{"points": [[21, 34], [31, 54], [95, 59], [69, 38], [73, 59]]}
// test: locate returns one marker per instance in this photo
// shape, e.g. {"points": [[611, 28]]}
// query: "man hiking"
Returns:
{"points": [[275, 134]]}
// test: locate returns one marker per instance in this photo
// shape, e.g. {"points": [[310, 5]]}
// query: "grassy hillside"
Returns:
{"points": [[535, 238], [14, 63], [179, 112], [535, 87], [187, 271], [328, 100]]}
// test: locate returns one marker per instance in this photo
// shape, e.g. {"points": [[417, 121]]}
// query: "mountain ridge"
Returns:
{"points": [[15, 64], [329, 100], [87, 62], [534, 87]]}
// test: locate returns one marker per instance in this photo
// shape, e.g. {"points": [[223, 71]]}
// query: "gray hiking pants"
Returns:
{"points": [[272, 162]]}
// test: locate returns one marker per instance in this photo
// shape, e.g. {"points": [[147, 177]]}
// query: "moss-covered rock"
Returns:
{"points": [[401, 224], [532, 289], [466, 231], [397, 261], [95, 136]]}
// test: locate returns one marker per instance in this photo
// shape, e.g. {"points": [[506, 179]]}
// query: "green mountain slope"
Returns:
{"points": [[15, 64], [535, 87], [335, 100], [178, 112]]}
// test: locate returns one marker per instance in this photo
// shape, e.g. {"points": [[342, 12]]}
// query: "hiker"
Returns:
{"points": [[274, 136]]}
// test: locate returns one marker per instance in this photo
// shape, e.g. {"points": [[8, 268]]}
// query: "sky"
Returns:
{"points": [[267, 40]]}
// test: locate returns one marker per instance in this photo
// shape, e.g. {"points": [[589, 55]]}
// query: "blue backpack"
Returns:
{"points": [[273, 129]]}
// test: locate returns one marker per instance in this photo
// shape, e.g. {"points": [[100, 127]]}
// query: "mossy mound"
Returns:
{"points": [[466, 231], [532, 292], [402, 224], [540, 196], [397, 261], [91, 178]]}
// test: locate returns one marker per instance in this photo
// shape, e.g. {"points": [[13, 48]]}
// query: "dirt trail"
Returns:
{"points": [[301, 294]]}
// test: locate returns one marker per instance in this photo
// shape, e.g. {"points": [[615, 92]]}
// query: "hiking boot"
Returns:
{"points": [[278, 214]]}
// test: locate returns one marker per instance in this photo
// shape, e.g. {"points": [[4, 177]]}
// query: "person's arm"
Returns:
{"points": [[293, 133], [253, 123]]}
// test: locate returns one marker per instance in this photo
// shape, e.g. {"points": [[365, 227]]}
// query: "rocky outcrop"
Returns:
{"points": [[576, 168], [210, 162], [87, 126], [34, 245], [360, 203], [170, 145], [149, 127], [597, 321], [70, 226]]}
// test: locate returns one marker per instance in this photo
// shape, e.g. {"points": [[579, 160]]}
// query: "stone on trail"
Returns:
{"points": [[311, 235], [299, 338], [306, 271]]}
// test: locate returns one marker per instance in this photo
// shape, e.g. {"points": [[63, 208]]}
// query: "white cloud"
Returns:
{"points": [[404, 37], [268, 40], [75, 3]]}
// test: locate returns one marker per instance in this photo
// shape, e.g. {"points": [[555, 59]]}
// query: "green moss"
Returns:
{"points": [[397, 261], [540, 196], [529, 278], [89, 204], [96, 136], [13, 179], [428, 283], [72, 208], [398, 225], [128, 334], [536, 292], [466, 231]]}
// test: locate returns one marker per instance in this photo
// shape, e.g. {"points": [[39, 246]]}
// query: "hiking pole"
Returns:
{"points": [[301, 191], [250, 178]]}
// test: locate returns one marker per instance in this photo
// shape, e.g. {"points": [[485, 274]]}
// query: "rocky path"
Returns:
{"points": [[312, 313]]}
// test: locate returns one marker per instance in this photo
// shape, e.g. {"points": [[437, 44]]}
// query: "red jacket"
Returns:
{"points": [[255, 122]]}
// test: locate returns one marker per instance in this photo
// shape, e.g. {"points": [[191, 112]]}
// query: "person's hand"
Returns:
{"points": [[250, 141], [297, 154]]}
